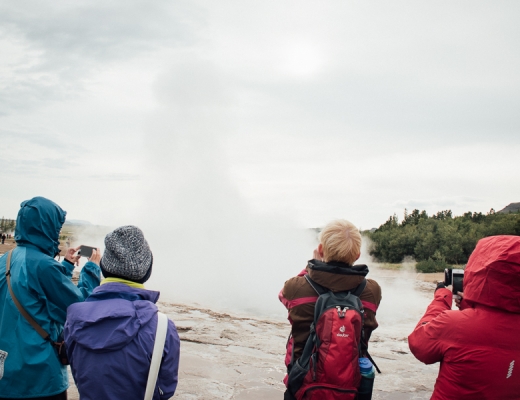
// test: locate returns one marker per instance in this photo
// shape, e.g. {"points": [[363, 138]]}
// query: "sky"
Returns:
{"points": [[297, 111]]}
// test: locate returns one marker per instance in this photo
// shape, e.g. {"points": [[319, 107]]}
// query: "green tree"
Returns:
{"points": [[441, 238]]}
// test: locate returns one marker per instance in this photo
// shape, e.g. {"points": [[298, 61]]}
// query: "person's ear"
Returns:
{"points": [[320, 250]]}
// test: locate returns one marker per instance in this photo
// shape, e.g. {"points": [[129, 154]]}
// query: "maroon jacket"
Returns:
{"points": [[299, 298], [479, 345]]}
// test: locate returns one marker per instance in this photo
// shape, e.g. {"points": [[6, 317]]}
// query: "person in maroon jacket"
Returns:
{"points": [[477, 346]]}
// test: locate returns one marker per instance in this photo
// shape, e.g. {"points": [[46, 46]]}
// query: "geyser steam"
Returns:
{"points": [[209, 247]]}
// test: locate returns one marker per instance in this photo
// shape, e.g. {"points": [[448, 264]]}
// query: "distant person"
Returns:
{"points": [[3, 238], [333, 269], [110, 337], [29, 364], [477, 346]]}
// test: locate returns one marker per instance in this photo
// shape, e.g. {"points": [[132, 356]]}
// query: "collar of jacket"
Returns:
{"points": [[338, 267], [120, 280], [145, 294]]}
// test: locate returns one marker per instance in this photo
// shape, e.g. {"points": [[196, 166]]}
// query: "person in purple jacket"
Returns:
{"points": [[110, 336]]}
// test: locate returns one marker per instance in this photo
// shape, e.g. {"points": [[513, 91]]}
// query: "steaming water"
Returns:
{"points": [[241, 270], [233, 268], [247, 280], [209, 246]]}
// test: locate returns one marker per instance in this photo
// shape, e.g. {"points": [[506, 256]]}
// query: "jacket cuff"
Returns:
{"points": [[442, 293], [92, 266], [445, 296], [68, 262]]}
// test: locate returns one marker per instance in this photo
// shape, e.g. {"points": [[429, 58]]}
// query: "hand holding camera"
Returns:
{"points": [[92, 253], [458, 299], [455, 278], [96, 256], [316, 255], [71, 255]]}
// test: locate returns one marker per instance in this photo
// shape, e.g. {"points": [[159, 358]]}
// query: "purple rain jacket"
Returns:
{"points": [[110, 340]]}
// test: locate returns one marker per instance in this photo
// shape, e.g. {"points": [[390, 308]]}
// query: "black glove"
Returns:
{"points": [[440, 285]]}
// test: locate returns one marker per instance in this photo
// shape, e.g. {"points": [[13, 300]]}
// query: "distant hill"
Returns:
{"points": [[511, 208], [77, 222]]}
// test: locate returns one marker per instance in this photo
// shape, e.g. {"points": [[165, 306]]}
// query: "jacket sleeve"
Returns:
{"points": [[168, 374], [299, 299], [427, 341], [89, 278], [59, 290], [371, 299]]}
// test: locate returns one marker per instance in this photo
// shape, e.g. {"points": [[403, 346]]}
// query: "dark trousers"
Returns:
{"points": [[61, 396]]}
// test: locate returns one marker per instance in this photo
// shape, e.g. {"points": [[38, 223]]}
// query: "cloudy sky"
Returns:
{"points": [[123, 111]]}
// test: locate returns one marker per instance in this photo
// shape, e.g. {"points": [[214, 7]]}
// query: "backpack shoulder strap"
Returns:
{"points": [[357, 291], [321, 290], [25, 314], [317, 287], [158, 347]]}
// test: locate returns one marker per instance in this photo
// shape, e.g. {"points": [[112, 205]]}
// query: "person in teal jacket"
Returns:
{"points": [[29, 365]]}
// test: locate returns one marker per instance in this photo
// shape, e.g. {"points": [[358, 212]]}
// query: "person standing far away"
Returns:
{"points": [[478, 346], [110, 337], [29, 364]]}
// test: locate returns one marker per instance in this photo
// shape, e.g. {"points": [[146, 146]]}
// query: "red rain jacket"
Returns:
{"points": [[478, 347]]}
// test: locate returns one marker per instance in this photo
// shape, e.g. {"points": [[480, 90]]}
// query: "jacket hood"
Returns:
{"points": [[39, 223], [492, 275], [336, 276], [111, 316]]}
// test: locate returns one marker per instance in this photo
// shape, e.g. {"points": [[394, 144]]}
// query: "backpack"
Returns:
{"points": [[328, 367]]}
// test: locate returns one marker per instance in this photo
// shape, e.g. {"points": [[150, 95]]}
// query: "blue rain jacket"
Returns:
{"points": [[110, 339], [44, 288]]}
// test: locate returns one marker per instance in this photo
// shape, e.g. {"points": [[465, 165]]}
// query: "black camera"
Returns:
{"points": [[455, 278], [86, 251]]}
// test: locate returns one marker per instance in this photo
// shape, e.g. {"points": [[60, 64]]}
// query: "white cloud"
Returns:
{"points": [[311, 110]]}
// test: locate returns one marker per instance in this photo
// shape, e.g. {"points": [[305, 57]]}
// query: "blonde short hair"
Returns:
{"points": [[341, 241]]}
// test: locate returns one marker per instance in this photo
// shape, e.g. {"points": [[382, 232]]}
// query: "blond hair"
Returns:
{"points": [[341, 241]]}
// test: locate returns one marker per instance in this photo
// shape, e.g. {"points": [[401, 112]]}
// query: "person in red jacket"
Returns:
{"points": [[477, 346]]}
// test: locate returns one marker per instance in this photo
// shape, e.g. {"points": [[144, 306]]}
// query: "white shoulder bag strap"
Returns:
{"points": [[158, 347]]}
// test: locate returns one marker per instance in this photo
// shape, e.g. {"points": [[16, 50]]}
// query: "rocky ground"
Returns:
{"points": [[8, 245], [233, 357]]}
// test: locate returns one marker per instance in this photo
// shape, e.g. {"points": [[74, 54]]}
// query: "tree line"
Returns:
{"points": [[440, 240], [7, 225]]}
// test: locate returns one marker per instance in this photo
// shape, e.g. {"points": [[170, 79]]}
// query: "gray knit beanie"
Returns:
{"points": [[127, 254]]}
